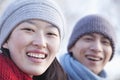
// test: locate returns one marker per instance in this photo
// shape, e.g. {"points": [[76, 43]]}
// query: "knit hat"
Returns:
{"points": [[22, 10], [92, 24]]}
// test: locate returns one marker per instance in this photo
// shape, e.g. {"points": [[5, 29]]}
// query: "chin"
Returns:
{"points": [[39, 72]]}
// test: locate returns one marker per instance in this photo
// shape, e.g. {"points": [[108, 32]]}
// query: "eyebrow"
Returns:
{"points": [[103, 36]]}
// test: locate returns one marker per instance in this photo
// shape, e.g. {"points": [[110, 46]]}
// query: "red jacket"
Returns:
{"points": [[9, 71]]}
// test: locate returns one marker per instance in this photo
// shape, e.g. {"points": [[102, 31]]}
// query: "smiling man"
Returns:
{"points": [[91, 46]]}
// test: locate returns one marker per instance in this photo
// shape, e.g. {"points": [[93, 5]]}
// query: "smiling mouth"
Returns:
{"points": [[92, 58], [37, 56]]}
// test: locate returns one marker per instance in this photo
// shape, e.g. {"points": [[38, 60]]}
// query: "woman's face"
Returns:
{"points": [[93, 51], [33, 45]]}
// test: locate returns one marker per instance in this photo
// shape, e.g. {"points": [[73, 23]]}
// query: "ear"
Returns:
{"points": [[70, 50], [5, 45]]}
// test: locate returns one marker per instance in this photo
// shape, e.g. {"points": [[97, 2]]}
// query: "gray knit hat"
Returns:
{"points": [[22, 10], [92, 24]]}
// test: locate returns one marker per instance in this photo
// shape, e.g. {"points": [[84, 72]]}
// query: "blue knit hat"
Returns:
{"points": [[93, 24], [22, 10]]}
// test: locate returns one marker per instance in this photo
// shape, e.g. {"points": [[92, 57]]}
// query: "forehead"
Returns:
{"points": [[95, 34], [37, 23]]}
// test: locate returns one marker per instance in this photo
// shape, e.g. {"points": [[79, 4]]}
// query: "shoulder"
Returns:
{"points": [[3, 57]]}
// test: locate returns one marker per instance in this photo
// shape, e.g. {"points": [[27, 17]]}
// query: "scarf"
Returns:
{"points": [[77, 71], [9, 71]]}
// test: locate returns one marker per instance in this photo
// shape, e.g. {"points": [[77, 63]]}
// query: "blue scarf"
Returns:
{"points": [[77, 71]]}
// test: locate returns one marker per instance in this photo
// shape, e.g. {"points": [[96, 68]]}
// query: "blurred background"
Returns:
{"points": [[75, 9]]}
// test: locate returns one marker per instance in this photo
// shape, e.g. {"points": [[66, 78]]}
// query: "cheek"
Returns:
{"points": [[18, 42], [54, 46], [108, 53], [78, 49]]}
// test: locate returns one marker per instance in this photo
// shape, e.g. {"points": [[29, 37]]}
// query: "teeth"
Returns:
{"points": [[36, 55], [93, 58]]}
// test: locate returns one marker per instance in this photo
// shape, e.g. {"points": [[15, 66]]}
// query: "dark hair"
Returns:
{"points": [[54, 72]]}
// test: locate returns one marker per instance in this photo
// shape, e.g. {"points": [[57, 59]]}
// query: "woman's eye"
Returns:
{"points": [[28, 29], [51, 34]]}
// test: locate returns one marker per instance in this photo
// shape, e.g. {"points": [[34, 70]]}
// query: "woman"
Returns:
{"points": [[31, 32], [91, 46]]}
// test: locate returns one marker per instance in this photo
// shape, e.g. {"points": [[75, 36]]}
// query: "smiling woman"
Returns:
{"points": [[36, 50], [28, 29]]}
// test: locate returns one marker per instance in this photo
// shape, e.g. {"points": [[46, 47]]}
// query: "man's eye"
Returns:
{"points": [[88, 39], [106, 42]]}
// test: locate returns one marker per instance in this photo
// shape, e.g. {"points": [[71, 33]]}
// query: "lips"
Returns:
{"points": [[93, 58]]}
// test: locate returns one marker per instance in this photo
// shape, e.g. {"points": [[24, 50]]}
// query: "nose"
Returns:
{"points": [[39, 41], [96, 46]]}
